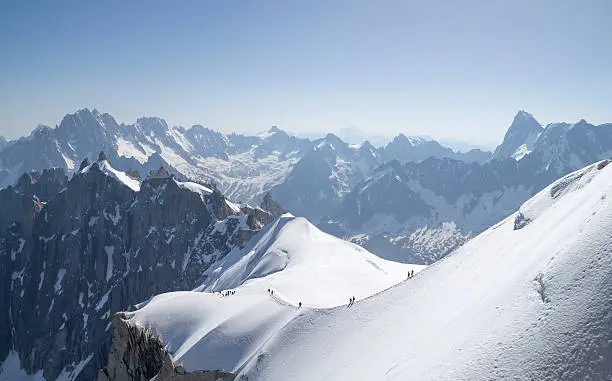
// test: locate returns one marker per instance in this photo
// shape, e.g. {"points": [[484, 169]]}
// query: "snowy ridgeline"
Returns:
{"points": [[289, 263], [531, 301]]}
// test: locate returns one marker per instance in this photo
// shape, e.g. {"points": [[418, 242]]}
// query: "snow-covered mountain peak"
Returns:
{"points": [[276, 136], [368, 149], [581, 124], [401, 139], [367, 145], [41, 129], [334, 142], [409, 141], [523, 115], [89, 118], [520, 137], [152, 124], [299, 261], [105, 167], [274, 129], [288, 267], [199, 129]]}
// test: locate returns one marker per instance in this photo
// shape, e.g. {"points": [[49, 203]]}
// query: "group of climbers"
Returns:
{"points": [[410, 274]]}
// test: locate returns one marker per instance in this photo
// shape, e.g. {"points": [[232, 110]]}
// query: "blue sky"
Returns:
{"points": [[448, 69]]}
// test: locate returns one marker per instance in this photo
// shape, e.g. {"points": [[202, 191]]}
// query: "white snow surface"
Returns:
{"points": [[205, 330], [105, 167], [126, 148], [521, 152], [528, 304], [195, 188]]}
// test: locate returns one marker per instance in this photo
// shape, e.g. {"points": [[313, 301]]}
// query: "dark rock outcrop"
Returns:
{"points": [[271, 206], [520, 221], [94, 247], [136, 355]]}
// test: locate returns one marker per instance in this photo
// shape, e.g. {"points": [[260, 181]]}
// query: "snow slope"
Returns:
{"points": [[532, 303], [195, 188], [105, 167], [527, 302], [206, 330]]}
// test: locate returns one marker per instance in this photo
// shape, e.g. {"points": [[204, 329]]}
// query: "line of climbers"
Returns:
{"points": [[351, 299], [271, 292]]}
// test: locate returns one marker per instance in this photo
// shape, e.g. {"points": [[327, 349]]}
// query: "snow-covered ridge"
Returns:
{"points": [[134, 184], [553, 193], [529, 303], [509, 304], [122, 177], [195, 188], [291, 257]]}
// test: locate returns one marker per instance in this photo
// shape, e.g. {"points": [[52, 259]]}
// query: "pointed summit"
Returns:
{"points": [[582, 123], [334, 139], [520, 137], [522, 115]]}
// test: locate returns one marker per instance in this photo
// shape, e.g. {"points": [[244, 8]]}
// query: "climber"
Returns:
{"points": [[300, 305]]}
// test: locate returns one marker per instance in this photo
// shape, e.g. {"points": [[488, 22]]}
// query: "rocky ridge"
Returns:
{"points": [[74, 252]]}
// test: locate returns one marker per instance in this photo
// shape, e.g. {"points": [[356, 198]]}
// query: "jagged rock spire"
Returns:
{"points": [[161, 173], [133, 173], [271, 206], [84, 164]]}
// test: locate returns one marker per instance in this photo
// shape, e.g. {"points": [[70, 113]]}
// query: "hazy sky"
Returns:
{"points": [[454, 69]]}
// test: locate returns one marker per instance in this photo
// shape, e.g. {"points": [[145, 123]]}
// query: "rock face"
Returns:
{"points": [[72, 253], [136, 355], [419, 212], [268, 204], [319, 181], [520, 137]]}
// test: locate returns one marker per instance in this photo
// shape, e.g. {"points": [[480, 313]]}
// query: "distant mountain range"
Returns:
{"points": [[419, 211], [84, 233], [412, 199], [243, 167]]}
